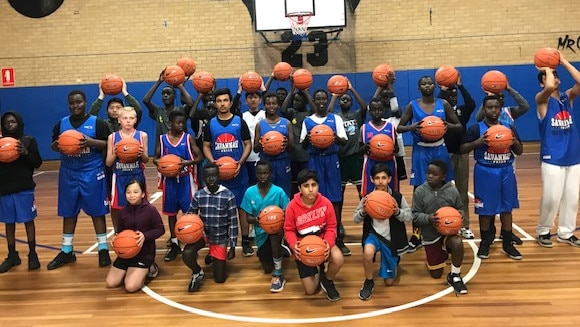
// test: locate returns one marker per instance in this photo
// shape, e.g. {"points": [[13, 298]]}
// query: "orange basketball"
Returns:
{"points": [[450, 221], [8, 152], [312, 250], [499, 138], [272, 143], [282, 71], [187, 64], [111, 84], [380, 205], [203, 82], [125, 244], [271, 219], [127, 149], [547, 57], [69, 142], [251, 82], [494, 81], [174, 75], [382, 148], [381, 74], [433, 128], [189, 228], [337, 84], [227, 168], [302, 79], [446, 75], [321, 136], [169, 165]]}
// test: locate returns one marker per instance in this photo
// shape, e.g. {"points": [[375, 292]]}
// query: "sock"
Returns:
{"points": [[32, 246], [245, 239], [102, 240], [67, 243], [278, 267], [12, 248], [455, 270], [174, 240]]}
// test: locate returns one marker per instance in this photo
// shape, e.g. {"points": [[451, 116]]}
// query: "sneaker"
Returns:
{"points": [[544, 240], [511, 252], [366, 291], [208, 259], [455, 281], [247, 250], [61, 259], [483, 251], [328, 287], [414, 243], [345, 250], [286, 253], [33, 262], [172, 253], [196, 280], [104, 258], [12, 260], [278, 283], [153, 271], [466, 233], [572, 240], [515, 239]]}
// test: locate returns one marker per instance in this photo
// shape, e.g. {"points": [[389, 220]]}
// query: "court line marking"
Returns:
{"points": [[37, 173]]}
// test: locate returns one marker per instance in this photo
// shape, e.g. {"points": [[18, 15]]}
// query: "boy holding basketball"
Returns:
{"points": [[216, 205], [256, 198], [310, 213], [494, 179], [17, 191], [81, 180], [428, 197], [387, 236], [177, 191]]}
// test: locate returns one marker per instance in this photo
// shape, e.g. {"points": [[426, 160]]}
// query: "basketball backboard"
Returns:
{"points": [[271, 15]]}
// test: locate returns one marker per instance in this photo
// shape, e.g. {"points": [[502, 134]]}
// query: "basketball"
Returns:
{"points": [[282, 71], [69, 142], [382, 148], [381, 74], [337, 84], [446, 75], [111, 84], [321, 136], [125, 244], [174, 75], [169, 165], [227, 168], [302, 79], [8, 152], [312, 251], [127, 149], [203, 82], [432, 128], [494, 81], [251, 82], [271, 219], [189, 228], [380, 205], [547, 57], [450, 221], [187, 64], [272, 143], [499, 138]]}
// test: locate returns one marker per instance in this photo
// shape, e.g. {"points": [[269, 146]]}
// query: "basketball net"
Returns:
{"points": [[299, 23]]}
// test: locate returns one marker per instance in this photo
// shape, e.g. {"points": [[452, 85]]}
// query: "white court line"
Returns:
{"points": [[37, 173]]}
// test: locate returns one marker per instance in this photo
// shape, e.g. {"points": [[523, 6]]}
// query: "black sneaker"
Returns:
{"points": [[172, 253], [247, 249], [511, 251], [61, 259], [328, 287], [544, 240], [483, 251], [345, 250], [12, 260], [104, 258], [196, 280], [515, 239], [366, 292], [208, 259], [455, 281], [33, 262], [572, 240], [414, 243]]}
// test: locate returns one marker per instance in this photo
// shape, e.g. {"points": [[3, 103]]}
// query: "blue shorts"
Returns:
{"points": [[328, 169], [177, 194], [17, 207], [389, 262], [119, 182], [251, 169], [495, 190], [86, 190], [281, 175], [420, 159]]}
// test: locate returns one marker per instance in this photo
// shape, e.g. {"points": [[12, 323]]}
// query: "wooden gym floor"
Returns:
{"points": [[543, 289]]}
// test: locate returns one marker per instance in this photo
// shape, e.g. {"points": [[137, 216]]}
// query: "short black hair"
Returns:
{"points": [[223, 91], [542, 73], [258, 93], [381, 167], [441, 164], [492, 97], [118, 100], [209, 165], [377, 100], [266, 163], [79, 92], [305, 175], [269, 95], [176, 113], [135, 181], [321, 91]]}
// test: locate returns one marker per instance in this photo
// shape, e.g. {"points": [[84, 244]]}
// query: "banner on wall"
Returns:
{"points": [[7, 77]]}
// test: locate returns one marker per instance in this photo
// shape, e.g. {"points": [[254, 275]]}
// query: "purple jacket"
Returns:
{"points": [[145, 218]]}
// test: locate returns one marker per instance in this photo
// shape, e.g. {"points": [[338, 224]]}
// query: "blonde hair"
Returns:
{"points": [[127, 110]]}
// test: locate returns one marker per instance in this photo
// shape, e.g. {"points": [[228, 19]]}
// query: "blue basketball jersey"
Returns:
{"points": [[368, 130], [181, 149], [419, 114], [560, 143], [485, 156], [90, 158], [124, 168], [330, 121], [227, 140], [280, 126]]}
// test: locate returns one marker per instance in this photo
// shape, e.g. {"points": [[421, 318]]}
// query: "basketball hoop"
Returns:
{"points": [[299, 23]]}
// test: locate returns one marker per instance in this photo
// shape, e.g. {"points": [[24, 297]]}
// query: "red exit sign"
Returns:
{"points": [[7, 76]]}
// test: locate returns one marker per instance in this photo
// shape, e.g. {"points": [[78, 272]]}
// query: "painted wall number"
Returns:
{"points": [[317, 58]]}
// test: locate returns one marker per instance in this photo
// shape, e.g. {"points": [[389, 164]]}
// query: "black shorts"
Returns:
{"points": [[305, 271], [136, 262]]}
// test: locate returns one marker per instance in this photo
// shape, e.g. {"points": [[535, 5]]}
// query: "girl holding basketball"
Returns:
{"points": [[142, 217]]}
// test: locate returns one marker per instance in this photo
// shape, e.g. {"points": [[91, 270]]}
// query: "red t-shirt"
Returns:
{"points": [[319, 219]]}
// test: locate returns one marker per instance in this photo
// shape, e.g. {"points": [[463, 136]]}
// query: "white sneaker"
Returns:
{"points": [[466, 233]]}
